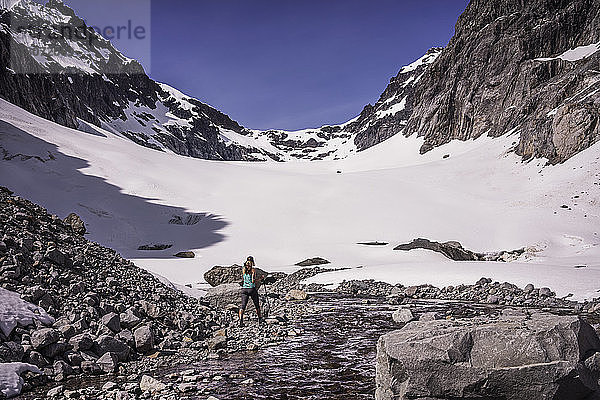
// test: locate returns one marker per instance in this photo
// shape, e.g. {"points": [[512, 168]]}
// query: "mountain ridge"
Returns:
{"points": [[496, 76]]}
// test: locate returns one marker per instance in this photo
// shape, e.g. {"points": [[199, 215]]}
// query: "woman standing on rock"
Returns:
{"points": [[249, 290]]}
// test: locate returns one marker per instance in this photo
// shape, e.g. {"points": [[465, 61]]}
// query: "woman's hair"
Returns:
{"points": [[247, 267]]}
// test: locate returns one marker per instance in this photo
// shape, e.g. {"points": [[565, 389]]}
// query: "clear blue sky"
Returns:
{"points": [[287, 64]]}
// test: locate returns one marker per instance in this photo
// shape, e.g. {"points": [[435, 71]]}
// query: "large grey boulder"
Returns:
{"points": [[514, 358], [108, 344], [219, 275], [144, 339], [222, 295], [44, 337]]}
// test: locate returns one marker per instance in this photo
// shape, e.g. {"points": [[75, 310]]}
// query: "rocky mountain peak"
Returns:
{"points": [[504, 71]]}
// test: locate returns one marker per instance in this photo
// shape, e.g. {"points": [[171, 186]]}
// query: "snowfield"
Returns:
{"points": [[482, 195]]}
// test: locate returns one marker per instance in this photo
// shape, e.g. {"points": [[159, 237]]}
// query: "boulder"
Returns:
{"points": [[185, 254], [144, 339], [44, 337], [149, 384], [296, 294], [217, 342], [105, 344], [222, 295], [402, 315], [74, 221], [108, 362], [112, 322], [55, 256], [129, 318], [219, 275], [512, 358], [452, 249], [81, 342]]}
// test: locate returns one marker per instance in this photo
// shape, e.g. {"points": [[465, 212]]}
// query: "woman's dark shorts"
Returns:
{"points": [[249, 293]]}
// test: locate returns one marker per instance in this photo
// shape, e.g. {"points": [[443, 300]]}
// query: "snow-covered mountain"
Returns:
{"points": [[77, 80], [476, 192], [496, 76], [90, 82]]}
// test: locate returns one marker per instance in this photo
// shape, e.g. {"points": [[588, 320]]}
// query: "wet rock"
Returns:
{"points": [[512, 358], [402, 315], [91, 368], [55, 392], [149, 384], [217, 342], [144, 339]]}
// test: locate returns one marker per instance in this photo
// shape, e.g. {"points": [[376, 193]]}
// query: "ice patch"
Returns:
{"points": [[11, 382], [17, 312]]}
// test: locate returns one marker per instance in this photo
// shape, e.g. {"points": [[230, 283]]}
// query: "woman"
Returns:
{"points": [[249, 290]]}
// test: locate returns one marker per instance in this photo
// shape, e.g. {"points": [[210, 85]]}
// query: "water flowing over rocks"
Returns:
{"points": [[99, 313], [517, 356]]}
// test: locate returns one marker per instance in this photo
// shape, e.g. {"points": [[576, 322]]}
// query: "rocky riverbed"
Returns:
{"points": [[96, 326]]}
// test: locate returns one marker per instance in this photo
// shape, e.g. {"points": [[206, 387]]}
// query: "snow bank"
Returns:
{"points": [[17, 312], [481, 194], [11, 382]]}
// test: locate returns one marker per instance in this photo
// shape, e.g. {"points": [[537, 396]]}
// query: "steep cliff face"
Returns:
{"points": [[376, 123], [530, 67]]}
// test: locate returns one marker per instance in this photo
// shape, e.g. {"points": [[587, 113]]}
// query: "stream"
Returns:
{"points": [[334, 358]]}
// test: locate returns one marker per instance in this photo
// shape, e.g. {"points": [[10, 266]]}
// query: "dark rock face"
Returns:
{"points": [[490, 79], [543, 356], [390, 114], [455, 251]]}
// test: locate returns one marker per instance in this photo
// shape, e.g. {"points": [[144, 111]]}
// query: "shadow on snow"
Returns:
{"points": [[38, 171]]}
